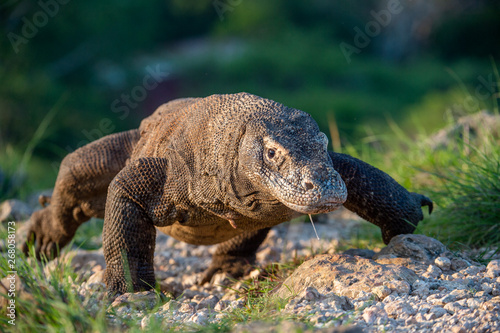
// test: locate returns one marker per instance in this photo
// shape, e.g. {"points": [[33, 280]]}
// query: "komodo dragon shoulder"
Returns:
{"points": [[221, 169]]}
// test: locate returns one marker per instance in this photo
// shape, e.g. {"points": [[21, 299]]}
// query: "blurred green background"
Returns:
{"points": [[72, 71]]}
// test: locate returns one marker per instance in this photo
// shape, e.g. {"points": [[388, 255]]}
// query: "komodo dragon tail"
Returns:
{"points": [[80, 191]]}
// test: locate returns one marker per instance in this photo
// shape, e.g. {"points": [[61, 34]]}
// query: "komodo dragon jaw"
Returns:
{"points": [[314, 191], [315, 201]]}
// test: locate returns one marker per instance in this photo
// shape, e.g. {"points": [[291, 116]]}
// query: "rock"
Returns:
{"points": [[208, 302], [416, 247], [415, 266], [254, 274], [443, 300], [342, 274], [398, 308], [14, 210], [398, 287], [472, 270], [338, 303], [221, 279], [382, 291], [140, 300], [269, 254], [96, 278], [453, 307], [189, 307], [432, 272], [82, 261], [437, 312], [311, 294], [146, 321], [237, 304], [459, 263], [87, 260], [12, 285], [221, 305], [364, 253], [288, 326], [199, 318], [22, 229], [493, 269], [443, 263], [172, 286], [375, 315], [420, 289], [458, 329], [477, 127]]}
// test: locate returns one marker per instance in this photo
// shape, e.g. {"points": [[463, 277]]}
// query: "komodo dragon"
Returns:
{"points": [[221, 169]]}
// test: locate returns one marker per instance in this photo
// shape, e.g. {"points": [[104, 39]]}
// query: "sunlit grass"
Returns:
{"points": [[469, 196], [462, 177]]}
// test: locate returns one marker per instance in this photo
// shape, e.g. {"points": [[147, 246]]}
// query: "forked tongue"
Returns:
{"points": [[310, 218]]}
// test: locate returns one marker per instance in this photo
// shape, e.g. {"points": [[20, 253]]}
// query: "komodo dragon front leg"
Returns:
{"points": [[372, 194], [80, 191], [141, 197]]}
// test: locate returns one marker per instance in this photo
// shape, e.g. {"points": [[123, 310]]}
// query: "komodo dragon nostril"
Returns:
{"points": [[308, 186]]}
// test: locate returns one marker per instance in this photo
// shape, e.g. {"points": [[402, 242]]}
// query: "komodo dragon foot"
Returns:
{"points": [[236, 257]]}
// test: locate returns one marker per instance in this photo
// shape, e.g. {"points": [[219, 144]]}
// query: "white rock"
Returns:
{"points": [[14, 210], [399, 287], [472, 270], [398, 308], [199, 318], [453, 307], [311, 294], [437, 311], [382, 291], [493, 269], [443, 263], [433, 272], [208, 302], [145, 322], [372, 314], [188, 307]]}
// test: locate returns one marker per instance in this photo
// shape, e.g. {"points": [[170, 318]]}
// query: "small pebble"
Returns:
{"points": [[443, 263]]}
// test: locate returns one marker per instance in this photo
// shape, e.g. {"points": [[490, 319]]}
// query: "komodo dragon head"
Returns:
{"points": [[284, 153]]}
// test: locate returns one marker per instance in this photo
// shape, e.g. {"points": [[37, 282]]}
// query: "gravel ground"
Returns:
{"points": [[442, 299]]}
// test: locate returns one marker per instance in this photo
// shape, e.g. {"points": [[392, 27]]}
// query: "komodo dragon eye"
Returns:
{"points": [[271, 153]]}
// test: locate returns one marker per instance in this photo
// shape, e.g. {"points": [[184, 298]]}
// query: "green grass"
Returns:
{"points": [[469, 194], [47, 302], [462, 178], [88, 235]]}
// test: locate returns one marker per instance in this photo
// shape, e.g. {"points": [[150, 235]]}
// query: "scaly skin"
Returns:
{"points": [[222, 169], [80, 191]]}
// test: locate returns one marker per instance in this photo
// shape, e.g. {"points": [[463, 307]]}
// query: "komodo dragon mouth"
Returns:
{"points": [[313, 197]]}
